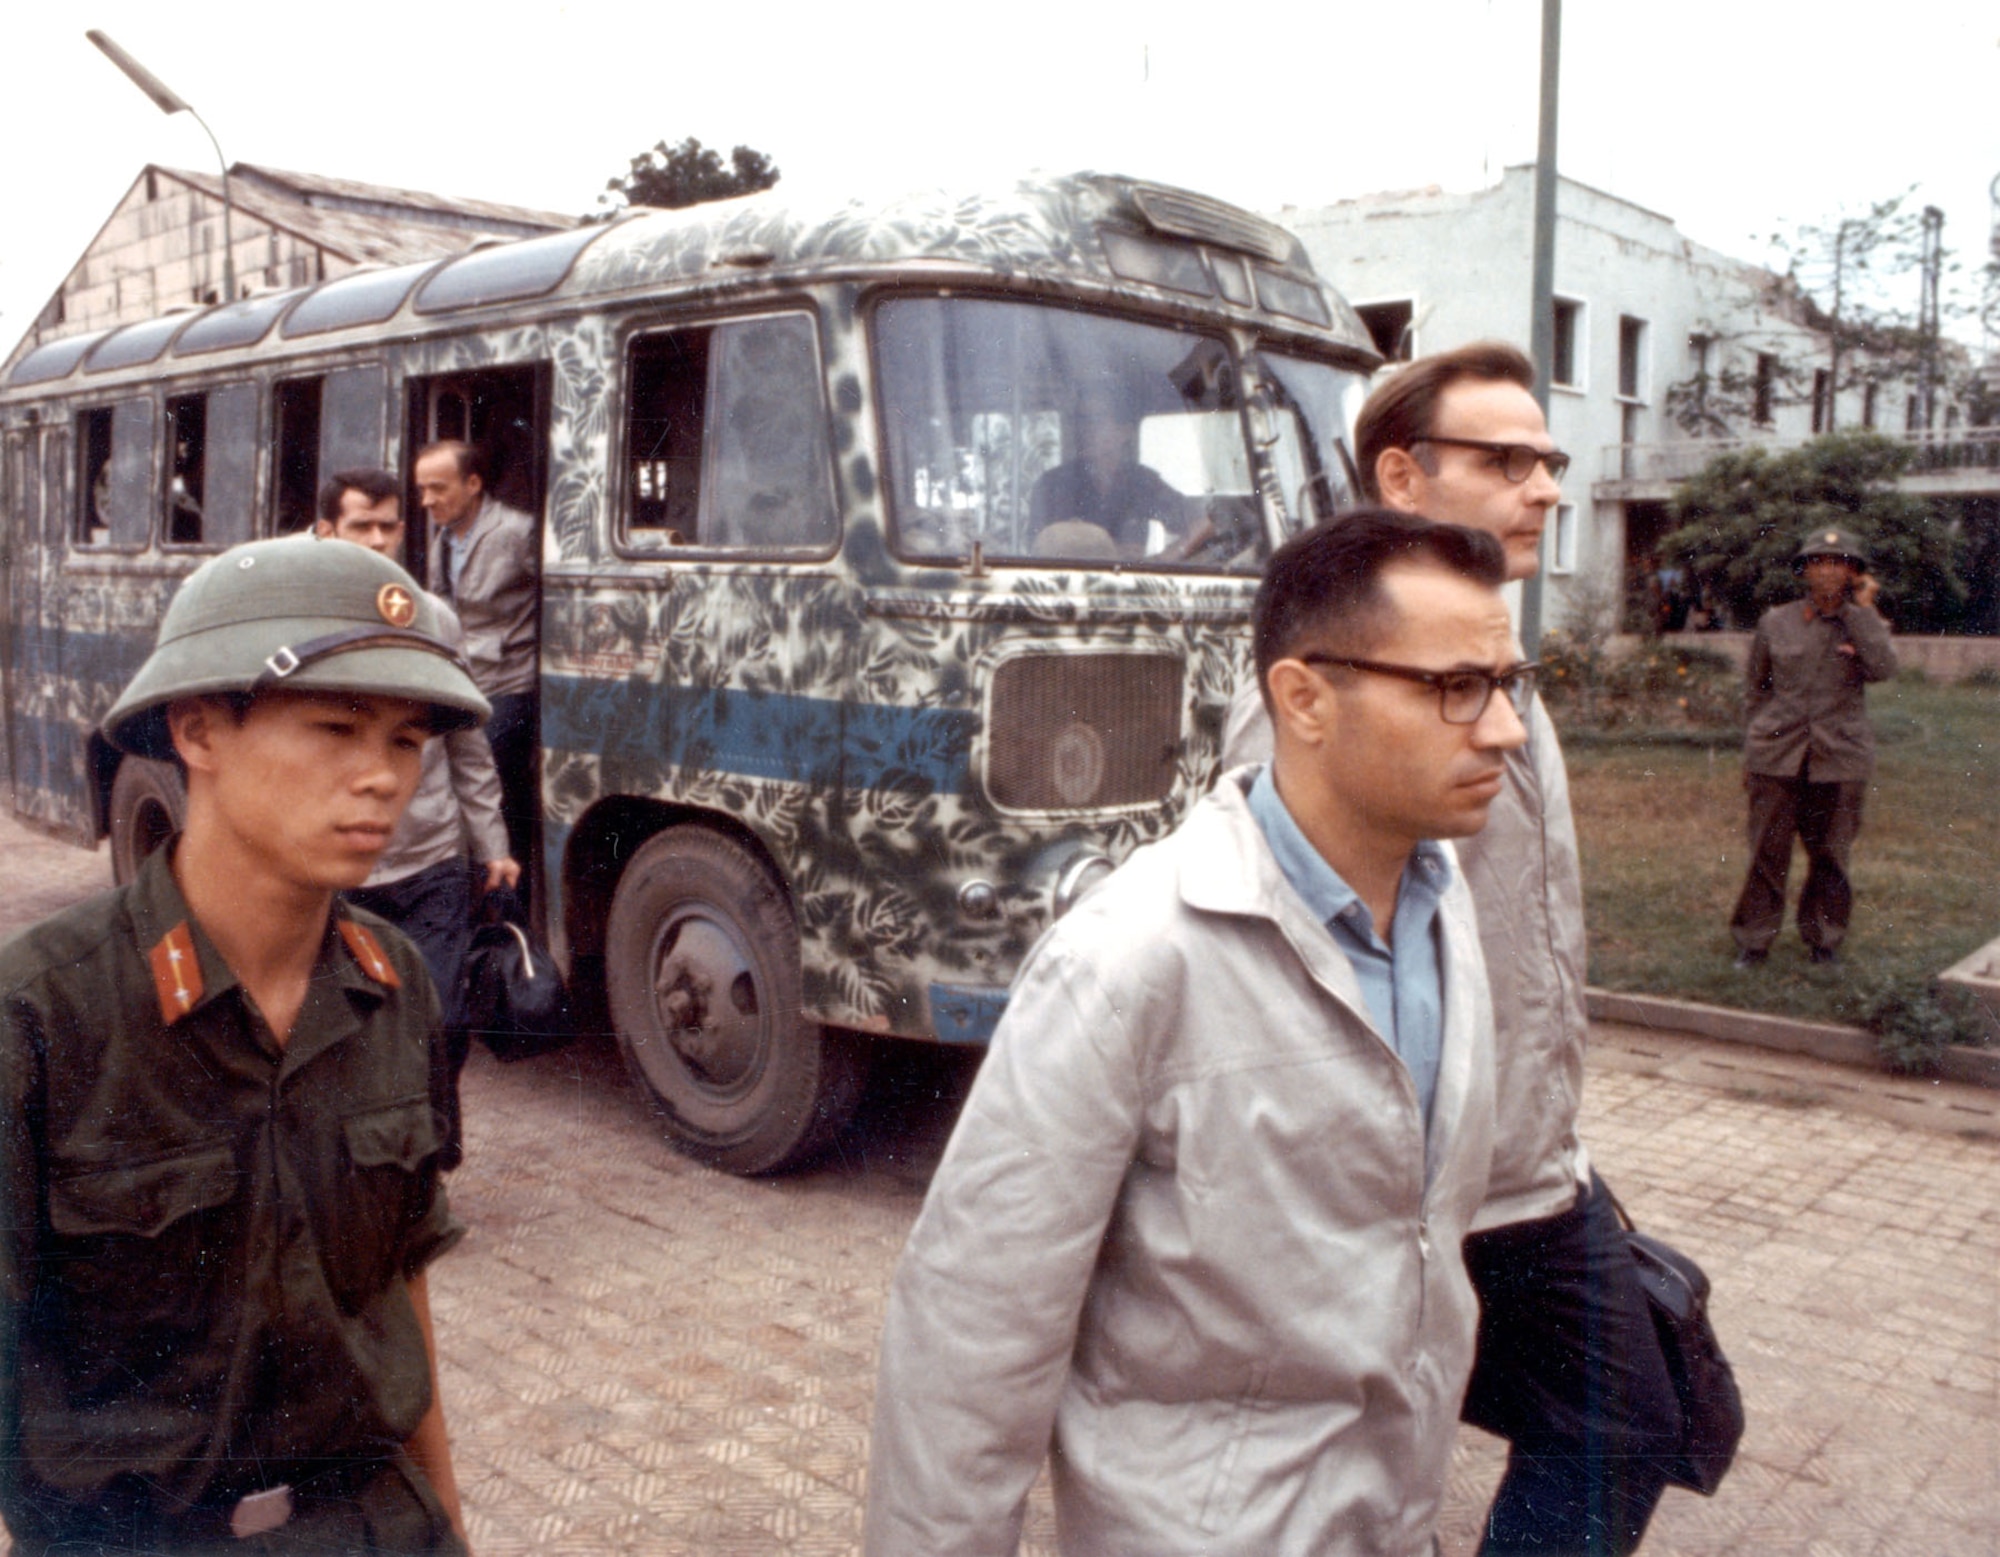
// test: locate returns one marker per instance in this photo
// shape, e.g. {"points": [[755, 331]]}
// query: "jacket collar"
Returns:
{"points": [[189, 974]]}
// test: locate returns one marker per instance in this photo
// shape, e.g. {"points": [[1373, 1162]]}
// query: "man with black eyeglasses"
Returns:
{"points": [[1569, 1368], [1197, 1234]]}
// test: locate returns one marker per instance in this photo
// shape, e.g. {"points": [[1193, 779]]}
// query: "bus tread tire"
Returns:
{"points": [[702, 975], [148, 806]]}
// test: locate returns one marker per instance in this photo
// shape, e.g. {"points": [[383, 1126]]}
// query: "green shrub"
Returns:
{"points": [[1914, 1022], [1656, 687]]}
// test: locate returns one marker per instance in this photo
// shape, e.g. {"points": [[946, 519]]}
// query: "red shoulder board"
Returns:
{"points": [[176, 973], [368, 952]]}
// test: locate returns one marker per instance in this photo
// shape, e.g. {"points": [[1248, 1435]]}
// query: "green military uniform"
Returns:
{"points": [[202, 1279]]}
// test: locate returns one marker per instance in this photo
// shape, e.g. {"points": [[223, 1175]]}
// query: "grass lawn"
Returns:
{"points": [[1662, 831]]}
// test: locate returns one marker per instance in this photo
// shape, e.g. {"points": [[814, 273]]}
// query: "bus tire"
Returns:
{"points": [[702, 975], [148, 806]]}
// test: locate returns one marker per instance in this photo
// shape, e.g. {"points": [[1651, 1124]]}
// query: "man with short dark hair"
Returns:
{"points": [[420, 884], [1808, 748], [219, 1190], [485, 564], [1196, 1235], [1569, 1368]]}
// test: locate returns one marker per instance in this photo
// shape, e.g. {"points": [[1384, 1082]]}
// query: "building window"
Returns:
{"points": [[1822, 398], [1392, 326], [1632, 362], [1868, 404], [1910, 413], [1567, 356], [1562, 539], [1764, 389]]}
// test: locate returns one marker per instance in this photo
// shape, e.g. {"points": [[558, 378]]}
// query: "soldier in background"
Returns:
{"points": [[1808, 748], [219, 1181]]}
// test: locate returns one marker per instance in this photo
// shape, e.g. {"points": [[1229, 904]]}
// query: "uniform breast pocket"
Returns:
{"points": [[387, 1191], [142, 1245]]}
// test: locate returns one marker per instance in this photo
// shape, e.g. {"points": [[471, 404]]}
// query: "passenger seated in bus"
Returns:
{"points": [[1105, 487]]}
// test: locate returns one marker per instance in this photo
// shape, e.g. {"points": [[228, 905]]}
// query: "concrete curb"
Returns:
{"points": [[1820, 1040]]}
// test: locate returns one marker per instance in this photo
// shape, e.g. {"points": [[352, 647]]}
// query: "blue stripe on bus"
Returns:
{"points": [[105, 659], [748, 734], [765, 735], [966, 1013]]}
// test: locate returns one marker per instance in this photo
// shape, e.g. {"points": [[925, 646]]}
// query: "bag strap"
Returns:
{"points": [[527, 952]]}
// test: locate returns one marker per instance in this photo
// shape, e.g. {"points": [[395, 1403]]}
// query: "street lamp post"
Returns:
{"points": [[169, 101]]}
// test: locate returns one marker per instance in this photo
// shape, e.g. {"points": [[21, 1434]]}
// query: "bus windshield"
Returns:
{"points": [[1315, 404], [1048, 435]]}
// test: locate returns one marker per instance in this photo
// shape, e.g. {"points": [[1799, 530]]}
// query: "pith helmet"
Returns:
{"points": [[301, 615], [1829, 542]]}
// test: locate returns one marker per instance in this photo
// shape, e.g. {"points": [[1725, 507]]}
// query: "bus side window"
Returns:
{"points": [[726, 439], [187, 446], [768, 485], [212, 464], [294, 455], [114, 447], [669, 377]]}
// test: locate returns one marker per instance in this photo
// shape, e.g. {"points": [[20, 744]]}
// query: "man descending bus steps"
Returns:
{"points": [[1196, 1235], [484, 563], [1569, 1369], [420, 884], [219, 1170]]}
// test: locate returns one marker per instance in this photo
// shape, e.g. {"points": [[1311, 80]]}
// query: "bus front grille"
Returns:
{"points": [[1089, 731]]}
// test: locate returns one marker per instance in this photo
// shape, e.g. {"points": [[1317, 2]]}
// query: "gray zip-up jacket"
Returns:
{"points": [[497, 595], [1191, 1238], [1806, 714], [1525, 877], [455, 811]]}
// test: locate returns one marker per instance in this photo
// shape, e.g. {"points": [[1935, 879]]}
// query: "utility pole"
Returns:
{"points": [[168, 101], [1542, 305], [1927, 315]]}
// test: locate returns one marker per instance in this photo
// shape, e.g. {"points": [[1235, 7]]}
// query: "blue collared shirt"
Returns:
{"points": [[1402, 984]]}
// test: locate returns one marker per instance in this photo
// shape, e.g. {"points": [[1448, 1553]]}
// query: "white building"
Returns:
{"points": [[1660, 342]]}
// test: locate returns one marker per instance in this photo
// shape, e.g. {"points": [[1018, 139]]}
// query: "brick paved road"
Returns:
{"points": [[641, 1356]]}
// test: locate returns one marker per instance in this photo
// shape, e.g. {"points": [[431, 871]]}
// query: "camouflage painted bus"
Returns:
{"points": [[846, 690]]}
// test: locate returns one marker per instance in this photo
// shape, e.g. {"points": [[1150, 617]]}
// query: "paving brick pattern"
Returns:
{"points": [[643, 1356]]}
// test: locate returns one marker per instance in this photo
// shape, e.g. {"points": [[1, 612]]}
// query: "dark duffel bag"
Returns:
{"points": [[1711, 1405], [515, 1002]]}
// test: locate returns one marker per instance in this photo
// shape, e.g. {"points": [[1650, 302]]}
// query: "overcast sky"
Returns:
{"points": [[1734, 117]]}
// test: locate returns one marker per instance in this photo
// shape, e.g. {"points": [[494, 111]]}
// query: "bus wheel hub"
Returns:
{"points": [[708, 1001]]}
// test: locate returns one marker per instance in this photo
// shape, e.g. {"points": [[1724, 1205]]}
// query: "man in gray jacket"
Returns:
{"points": [[420, 883], [1196, 1235], [1569, 1369], [485, 564], [1808, 748]]}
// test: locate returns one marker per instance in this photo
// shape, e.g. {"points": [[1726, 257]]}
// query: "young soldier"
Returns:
{"points": [[219, 1171], [1569, 1369]]}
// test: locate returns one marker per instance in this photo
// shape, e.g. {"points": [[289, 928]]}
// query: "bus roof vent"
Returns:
{"points": [[1185, 215], [54, 359]]}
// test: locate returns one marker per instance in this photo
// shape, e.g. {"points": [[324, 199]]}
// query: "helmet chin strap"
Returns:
{"points": [[289, 659]]}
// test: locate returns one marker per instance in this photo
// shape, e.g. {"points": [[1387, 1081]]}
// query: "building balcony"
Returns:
{"points": [[1961, 462]]}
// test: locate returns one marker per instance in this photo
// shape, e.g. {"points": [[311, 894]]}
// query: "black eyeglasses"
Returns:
{"points": [[1462, 694], [1517, 460]]}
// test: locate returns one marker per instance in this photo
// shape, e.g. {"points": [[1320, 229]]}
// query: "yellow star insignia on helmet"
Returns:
{"points": [[396, 604]]}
